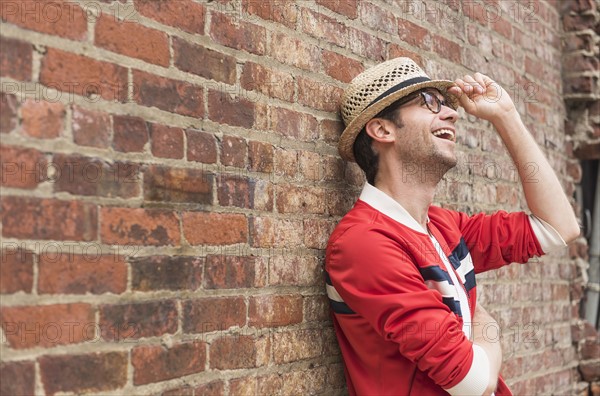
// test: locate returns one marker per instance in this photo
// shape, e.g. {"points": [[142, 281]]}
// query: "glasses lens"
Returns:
{"points": [[432, 101]]}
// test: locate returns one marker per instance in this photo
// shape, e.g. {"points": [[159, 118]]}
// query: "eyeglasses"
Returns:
{"points": [[434, 103]]}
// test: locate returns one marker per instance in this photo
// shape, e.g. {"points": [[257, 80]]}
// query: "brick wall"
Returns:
{"points": [[170, 177]]}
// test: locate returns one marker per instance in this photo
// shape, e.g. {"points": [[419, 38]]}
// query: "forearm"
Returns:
{"points": [[543, 191], [482, 322]]}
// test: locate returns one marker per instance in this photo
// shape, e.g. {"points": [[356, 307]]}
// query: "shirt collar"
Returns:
{"points": [[387, 205]]}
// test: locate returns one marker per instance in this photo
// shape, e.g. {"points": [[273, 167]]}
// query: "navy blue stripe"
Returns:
{"points": [[340, 307], [435, 273], [454, 261], [398, 87], [454, 305], [470, 280], [461, 250], [328, 279]]}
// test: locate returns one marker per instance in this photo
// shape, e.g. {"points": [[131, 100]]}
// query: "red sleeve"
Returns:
{"points": [[498, 239], [379, 281]]}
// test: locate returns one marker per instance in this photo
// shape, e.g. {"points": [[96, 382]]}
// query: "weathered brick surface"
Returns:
{"points": [[170, 179], [166, 273], [66, 273], [157, 363], [83, 373], [15, 59], [16, 270], [126, 322]]}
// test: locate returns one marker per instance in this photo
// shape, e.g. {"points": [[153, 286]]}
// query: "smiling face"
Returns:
{"points": [[427, 139]]}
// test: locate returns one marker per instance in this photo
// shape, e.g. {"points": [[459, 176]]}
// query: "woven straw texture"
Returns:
{"points": [[368, 86]]}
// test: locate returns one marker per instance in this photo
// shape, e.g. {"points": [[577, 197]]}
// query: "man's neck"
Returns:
{"points": [[415, 195]]}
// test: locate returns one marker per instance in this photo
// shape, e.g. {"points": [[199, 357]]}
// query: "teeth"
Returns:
{"points": [[444, 131]]}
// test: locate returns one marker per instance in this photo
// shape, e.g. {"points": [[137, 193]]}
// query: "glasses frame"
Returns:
{"points": [[430, 99]]}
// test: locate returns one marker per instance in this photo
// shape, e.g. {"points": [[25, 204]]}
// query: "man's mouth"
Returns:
{"points": [[446, 134]]}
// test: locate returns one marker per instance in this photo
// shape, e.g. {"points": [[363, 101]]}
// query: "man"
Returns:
{"points": [[400, 272]]}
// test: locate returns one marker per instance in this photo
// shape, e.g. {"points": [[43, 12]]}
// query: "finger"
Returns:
{"points": [[478, 88], [479, 78]]}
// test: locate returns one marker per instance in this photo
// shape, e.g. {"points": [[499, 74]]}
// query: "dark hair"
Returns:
{"points": [[363, 151]]}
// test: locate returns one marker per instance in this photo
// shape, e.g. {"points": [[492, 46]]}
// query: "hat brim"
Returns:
{"points": [[356, 125]]}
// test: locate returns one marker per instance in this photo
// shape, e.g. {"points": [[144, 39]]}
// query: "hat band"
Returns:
{"points": [[402, 85]]}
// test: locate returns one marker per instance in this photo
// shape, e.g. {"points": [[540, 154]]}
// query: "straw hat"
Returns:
{"points": [[375, 89]]}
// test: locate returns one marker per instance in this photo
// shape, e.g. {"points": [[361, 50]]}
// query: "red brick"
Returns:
{"points": [[366, 44], [578, 22], [94, 177], [204, 62], [235, 191], [169, 95], [80, 75], [139, 226], [319, 95], [273, 311], [377, 18], [503, 27], [47, 325], [22, 167], [316, 308], [397, 52], [261, 156], [269, 232], [310, 166], [233, 151], [448, 49], [166, 273], [321, 26], [184, 14], [16, 269], [282, 12], [42, 119], [414, 35], [8, 115], [225, 110], [231, 272], [213, 314], [215, 388], [56, 17], [215, 228], [126, 322], [590, 371], [167, 142], [35, 218], [263, 195], [294, 271], [297, 345], [333, 168], [94, 372], [341, 67], [166, 184], [235, 352], [292, 199], [272, 83], [294, 52], [317, 232], [91, 128], [331, 130], [238, 34], [130, 134], [579, 62], [286, 162], [201, 146], [68, 273], [17, 378], [132, 39], [16, 56], [344, 7], [290, 123], [156, 363], [183, 391]]}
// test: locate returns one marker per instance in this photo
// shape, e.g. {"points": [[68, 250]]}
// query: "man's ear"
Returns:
{"points": [[381, 130]]}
